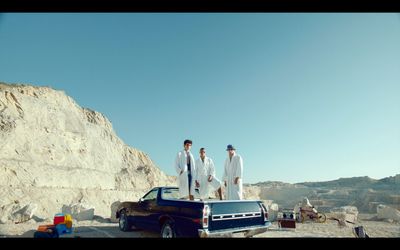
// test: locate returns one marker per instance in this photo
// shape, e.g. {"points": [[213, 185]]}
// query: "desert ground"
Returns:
{"points": [[102, 228]]}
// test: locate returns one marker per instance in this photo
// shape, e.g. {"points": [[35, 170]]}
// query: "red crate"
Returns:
{"points": [[59, 218], [284, 223]]}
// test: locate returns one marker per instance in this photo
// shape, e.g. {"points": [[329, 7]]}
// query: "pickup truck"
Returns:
{"points": [[162, 211]]}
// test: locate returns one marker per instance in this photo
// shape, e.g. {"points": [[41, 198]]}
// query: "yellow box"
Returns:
{"points": [[68, 220]]}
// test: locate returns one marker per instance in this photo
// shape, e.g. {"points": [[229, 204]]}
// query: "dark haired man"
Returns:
{"points": [[186, 169]]}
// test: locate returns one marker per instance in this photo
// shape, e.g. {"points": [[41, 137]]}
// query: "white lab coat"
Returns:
{"points": [[183, 182], [233, 168], [203, 171]]}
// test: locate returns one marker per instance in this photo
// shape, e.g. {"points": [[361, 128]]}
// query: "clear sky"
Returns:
{"points": [[303, 97]]}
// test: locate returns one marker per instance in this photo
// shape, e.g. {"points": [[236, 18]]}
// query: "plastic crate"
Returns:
{"points": [[46, 228], [59, 218], [68, 220], [39, 234]]}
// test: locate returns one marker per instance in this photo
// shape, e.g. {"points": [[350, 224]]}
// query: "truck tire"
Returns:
{"points": [[124, 222], [168, 230]]}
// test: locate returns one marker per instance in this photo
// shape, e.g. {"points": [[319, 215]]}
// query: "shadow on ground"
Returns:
{"points": [[96, 232]]}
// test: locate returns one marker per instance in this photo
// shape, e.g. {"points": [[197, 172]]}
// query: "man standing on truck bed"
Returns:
{"points": [[186, 169], [205, 176], [233, 172]]}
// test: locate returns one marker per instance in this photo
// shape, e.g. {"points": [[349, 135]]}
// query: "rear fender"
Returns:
{"points": [[163, 218], [128, 206]]}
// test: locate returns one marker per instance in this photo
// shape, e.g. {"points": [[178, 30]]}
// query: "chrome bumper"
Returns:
{"points": [[248, 231]]}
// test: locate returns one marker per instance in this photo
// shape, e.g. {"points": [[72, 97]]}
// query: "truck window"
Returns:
{"points": [[172, 193], [151, 196]]}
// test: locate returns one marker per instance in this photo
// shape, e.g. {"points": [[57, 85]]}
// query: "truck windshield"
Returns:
{"points": [[151, 195]]}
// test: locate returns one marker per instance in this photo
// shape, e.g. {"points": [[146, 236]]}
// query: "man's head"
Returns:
{"points": [[231, 149], [202, 152], [187, 144]]}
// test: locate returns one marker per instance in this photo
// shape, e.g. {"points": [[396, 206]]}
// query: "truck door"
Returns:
{"points": [[148, 211]]}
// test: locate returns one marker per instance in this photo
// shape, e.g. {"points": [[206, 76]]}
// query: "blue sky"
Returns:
{"points": [[302, 96]]}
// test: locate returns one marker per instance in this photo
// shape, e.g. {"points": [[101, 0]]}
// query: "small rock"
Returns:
{"points": [[79, 211], [114, 207], [345, 214], [25, 213], [386, 212]]}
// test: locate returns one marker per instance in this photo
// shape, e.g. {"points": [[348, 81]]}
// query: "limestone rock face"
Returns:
{"points": [[54, 152]]}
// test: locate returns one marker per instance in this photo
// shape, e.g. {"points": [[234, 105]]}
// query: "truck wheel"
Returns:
{"points": [[168, 230], [123, 222]]}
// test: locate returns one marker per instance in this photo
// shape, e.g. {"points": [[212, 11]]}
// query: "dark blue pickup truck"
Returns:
{"points": [[161, 210]]}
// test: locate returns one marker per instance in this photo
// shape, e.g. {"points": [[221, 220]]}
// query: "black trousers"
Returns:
{"points": [[190, 182]]}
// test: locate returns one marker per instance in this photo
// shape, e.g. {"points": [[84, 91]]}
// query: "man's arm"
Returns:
{"points": [[197, 175], [225, 175], [239, 170], [193, 166], [178, 169], [211, 171]]}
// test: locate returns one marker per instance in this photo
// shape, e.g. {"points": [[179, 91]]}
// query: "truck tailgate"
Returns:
{"points": [[235, 214]]}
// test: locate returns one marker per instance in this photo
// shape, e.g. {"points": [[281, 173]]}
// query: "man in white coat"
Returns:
{"points": [[205, 176], [186, 170], [233, 172]]}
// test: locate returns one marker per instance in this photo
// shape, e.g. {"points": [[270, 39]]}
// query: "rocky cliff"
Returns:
{"points": [[54, 152]]}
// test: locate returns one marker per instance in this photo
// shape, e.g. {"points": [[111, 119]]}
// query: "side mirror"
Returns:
{"points": [[140, 200]]}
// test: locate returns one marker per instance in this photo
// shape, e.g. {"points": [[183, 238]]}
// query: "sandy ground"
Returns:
{"points": [[331, 229], [82, 229], [101, 228]]}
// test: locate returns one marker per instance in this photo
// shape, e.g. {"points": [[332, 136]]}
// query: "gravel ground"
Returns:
{"points": [[102, 228]]}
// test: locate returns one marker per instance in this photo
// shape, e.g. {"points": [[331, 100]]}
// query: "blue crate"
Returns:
{"points": [[62, 229]]}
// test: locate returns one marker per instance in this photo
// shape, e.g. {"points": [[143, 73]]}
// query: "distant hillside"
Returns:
{"points": [[272, 184], [343, 182], [363, 192], [392, 183]]}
